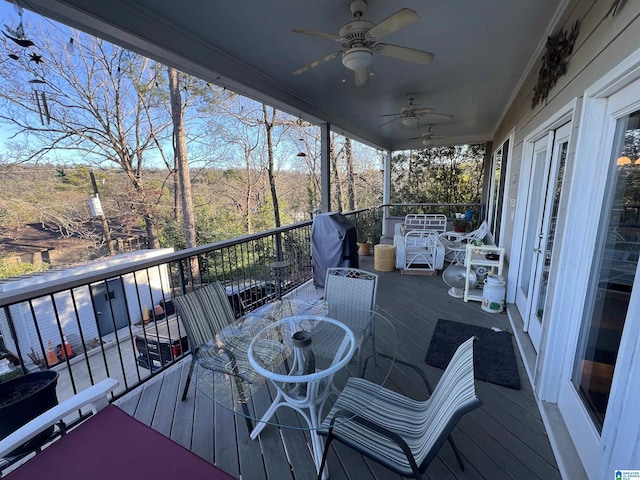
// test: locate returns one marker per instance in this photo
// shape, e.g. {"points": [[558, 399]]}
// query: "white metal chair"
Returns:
{"points": [[356, 288], [398, 432], [420, 250], [460, 237], [455, 252], [425, 221], [455, 242]]}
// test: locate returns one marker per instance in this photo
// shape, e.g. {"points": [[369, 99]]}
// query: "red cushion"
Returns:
{"points": [[113, 445]]}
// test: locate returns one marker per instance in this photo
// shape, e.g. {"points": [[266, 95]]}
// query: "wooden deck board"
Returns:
{"points": [[182, 427], [166, 402], [202, 442], [504, 439], [226, 449], [146, 407]]}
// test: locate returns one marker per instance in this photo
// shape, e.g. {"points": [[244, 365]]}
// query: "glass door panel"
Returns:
{"points": [[613, 273], [535, 202], [497, 189], [550, 220]]}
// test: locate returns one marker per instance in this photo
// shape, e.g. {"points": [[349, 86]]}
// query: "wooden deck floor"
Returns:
{"points": [[504, 439]]}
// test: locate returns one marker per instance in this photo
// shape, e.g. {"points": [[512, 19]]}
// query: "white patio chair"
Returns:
{"points": [[94, 397], [109, 444], [455, 243], [460, 237], [455, 252], [398, 432], [355, 288], [420, 250], [425, 221]]}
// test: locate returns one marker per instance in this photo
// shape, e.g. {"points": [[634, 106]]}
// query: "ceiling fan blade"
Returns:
{"points": [[423, 110], [403, 53], [388, 122], [362, 76], [318, 62], [318, 33], [396, 21], [391, 115], [445, 115]]}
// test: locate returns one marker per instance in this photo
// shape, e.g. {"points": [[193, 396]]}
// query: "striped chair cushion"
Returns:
{"points": [[207, 314], [423, 425]]}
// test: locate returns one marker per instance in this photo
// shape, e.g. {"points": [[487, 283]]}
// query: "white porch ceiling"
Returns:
{"points": [[482, 51]]}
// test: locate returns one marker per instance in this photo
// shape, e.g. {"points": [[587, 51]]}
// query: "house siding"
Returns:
{"points": [[603, 43]]}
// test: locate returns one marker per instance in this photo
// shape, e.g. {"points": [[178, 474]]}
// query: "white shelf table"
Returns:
{"points": [[477, 256]]}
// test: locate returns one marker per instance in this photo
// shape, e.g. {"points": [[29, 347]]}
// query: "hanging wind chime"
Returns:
{"points": [[41, 102], [18, 36]]}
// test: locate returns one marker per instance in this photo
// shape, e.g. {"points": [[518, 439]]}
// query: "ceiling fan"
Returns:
{"points": [[359, 42], [428, 137], [411, 113]]}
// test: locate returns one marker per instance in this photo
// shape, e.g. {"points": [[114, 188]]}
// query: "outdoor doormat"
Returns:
{"points": [[493, 357]]}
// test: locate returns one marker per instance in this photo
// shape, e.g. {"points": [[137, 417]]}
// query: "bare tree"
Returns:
{"points": [[181, 158], [243, 147], [269, 122], [101, 104], [348, 155], [337, 182], [308, 138]]}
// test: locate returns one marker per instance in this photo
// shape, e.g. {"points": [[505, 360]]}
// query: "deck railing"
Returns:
{"points": [[448, 209], [117, 321], [395, 212]]}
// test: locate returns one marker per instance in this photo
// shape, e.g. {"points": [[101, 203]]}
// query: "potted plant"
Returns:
{"points": [[460, 225], [368, 230], [22, 399]]}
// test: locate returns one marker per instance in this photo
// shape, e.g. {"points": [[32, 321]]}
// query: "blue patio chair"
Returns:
{"points": [[398, 432]]}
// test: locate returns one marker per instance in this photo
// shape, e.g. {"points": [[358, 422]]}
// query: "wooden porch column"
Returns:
{"points": [[325, 167], [386, 190]]}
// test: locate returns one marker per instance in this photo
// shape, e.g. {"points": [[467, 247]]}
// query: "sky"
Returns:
{"points": [[10, 19]]}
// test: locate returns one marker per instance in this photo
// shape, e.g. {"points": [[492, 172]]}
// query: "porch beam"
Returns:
{"points": [[325, 167], [487, 181], [386, 190]]}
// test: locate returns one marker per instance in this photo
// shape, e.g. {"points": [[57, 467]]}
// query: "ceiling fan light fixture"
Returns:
{"points": [[427, 142], [410, 122], [357, 58]]}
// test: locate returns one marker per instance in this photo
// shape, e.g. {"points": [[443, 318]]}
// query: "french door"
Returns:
{"points": [[602, 367], [543, 198]]}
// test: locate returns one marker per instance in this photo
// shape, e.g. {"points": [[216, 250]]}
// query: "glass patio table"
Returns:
{"points": [[295, 354]]}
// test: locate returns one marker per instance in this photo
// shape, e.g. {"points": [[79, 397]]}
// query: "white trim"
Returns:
{"points": [[505, 180], [616, 79], [562, 116], [562, 135], [96, 396], [573, 277], [597, 129], [507, 186]]}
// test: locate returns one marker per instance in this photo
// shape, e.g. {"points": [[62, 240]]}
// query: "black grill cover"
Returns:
{"points": [[333, 244]]}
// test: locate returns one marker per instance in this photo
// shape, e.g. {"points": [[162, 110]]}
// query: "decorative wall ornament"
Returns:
{"points": [[615, 7], [554, 62]]}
